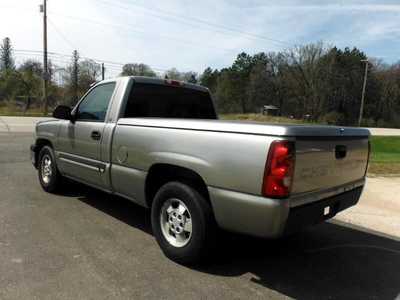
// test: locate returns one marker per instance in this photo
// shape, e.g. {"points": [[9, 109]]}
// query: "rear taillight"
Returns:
{"points": [[279, 170], [173, 82]]}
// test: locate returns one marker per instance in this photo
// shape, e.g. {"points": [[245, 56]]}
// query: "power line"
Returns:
{"points": [[38, 54], [167, 17], [52, 59], [106, 62], [68, 55], [186, 20], [60, 64], [132, 28], [60, 34]]}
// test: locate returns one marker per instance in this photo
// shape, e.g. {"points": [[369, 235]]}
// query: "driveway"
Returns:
{"points": [[87, 244], [379, 207]]}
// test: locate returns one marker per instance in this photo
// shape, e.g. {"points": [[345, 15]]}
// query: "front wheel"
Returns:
{"points": [[183, 223], [49, 177]]}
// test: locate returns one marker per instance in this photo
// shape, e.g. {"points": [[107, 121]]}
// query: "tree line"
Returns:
{"points": [[322, 83], [314, 81]]}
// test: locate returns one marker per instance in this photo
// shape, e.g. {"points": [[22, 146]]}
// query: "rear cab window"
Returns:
{"points": [[165, 101]]}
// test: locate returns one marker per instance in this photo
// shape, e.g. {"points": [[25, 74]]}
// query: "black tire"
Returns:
{"points": [[52, 183], [203, 234]]}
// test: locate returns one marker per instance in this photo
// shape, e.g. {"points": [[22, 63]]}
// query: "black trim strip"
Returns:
{"points": [[332, 138], [82, 160]]}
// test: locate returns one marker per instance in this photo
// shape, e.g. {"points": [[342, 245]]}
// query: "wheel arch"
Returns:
{"points": [[161, 173]]}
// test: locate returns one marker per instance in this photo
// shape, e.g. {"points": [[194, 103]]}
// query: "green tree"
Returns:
{"points": [[30, 83], [305, 77], [259, 88], [75, 76], [344, 83], [71, 79], [89, 73], [225, 94], [240, 74], [9, 85], [209, 79], [190, 77], [6, 56], [136, 69], [31, 65], [174, 74]]}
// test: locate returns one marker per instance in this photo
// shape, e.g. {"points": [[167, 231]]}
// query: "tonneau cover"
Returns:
{"points": [[245, 127]]}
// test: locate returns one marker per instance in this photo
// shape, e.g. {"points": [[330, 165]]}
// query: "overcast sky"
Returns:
{"points": [[191, 35]]}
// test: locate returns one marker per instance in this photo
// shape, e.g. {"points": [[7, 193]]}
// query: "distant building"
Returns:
{"points": [[271, 110]]}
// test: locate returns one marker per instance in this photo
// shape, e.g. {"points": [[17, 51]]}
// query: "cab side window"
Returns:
{"points": [[94, 106]]}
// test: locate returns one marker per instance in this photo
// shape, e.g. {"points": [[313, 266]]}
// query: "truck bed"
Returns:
{"points": [[319, 172]]}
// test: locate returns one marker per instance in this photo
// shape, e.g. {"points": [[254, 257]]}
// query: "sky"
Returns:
{"points": [[192, 35]]}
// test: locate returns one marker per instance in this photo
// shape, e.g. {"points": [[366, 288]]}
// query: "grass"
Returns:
{"points": [[385, 149], [385, 155], [384, 169]]}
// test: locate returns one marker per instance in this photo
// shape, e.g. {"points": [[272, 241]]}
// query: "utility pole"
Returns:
{"points": [[102, 71], [43, 9], [363, 92], [75, 76]]}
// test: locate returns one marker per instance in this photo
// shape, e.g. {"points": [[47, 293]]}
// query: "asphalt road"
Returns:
{"points": [[84, 244]]}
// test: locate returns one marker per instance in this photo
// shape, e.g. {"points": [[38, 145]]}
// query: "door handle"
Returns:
{"points": [[340, 151], [95, 135]]}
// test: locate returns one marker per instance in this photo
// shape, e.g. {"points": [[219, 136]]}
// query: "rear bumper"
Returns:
{"points": [[272, 218], [313, 213], [249, 214]]}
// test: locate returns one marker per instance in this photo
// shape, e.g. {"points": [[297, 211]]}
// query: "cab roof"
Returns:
{"points": [[155, 80]]}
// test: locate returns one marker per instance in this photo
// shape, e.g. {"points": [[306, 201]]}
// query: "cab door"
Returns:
{"points": [[80, 140]]}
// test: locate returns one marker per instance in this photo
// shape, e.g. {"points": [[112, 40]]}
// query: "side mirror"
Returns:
{"points": [[62, 112]]}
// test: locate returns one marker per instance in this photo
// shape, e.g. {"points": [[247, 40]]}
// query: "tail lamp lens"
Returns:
{"points": [[279, 170], [173, 82]]}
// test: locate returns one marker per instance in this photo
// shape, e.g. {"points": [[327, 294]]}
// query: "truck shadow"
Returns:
{"points": [[331, 260]]}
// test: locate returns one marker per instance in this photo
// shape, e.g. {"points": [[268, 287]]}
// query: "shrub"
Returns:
{"points": [[333, 118]]}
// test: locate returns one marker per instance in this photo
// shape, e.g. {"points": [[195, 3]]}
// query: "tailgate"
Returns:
{"points": [[323, 163]]}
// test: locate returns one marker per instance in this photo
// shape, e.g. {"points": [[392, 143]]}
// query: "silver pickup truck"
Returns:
{"points": [[160, 144]]}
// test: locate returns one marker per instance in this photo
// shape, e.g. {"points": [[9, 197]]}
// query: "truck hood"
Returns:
{"points": [[245, 127]]}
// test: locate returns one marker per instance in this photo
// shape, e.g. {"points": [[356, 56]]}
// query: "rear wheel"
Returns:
{"points": [[183, 223], [49, 177], [176, 222]]}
